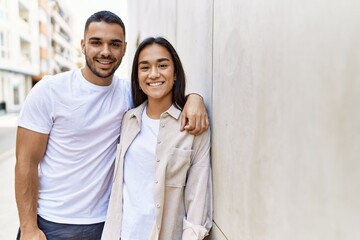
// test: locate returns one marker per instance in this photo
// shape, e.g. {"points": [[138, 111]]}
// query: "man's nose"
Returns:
{"points": [[105, 50]]}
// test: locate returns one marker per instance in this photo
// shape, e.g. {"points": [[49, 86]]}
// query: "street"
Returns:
{"points": [[7, 138], [8, 217]]}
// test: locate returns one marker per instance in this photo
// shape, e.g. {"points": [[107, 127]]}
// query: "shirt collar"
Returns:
{"points": [[172, 111]]}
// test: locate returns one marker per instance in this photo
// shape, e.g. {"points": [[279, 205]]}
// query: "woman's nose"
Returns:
{"points": [[154, 73]]}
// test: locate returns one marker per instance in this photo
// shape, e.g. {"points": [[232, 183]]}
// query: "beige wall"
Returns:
{"points": [[282, 83]]}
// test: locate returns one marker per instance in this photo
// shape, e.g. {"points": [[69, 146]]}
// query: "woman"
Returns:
{"points": [[162, 187]]}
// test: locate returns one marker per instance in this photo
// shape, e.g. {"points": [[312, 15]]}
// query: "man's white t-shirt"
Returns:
{"points": [[83, 122]]}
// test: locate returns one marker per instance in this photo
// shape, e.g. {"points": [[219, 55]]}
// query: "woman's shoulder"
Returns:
{"points": [[134, 112]]}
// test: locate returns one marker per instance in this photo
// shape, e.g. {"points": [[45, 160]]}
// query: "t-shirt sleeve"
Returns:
{"points": [[37, 110], [128, 93]]}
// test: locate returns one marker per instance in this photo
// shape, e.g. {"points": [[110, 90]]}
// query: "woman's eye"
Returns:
{"points": [[143, 68]]}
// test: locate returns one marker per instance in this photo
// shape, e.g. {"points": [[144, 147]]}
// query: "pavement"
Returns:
{"points": [[8, 213], [8, 119]]}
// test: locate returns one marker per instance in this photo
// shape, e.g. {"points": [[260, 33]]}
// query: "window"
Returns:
{"points": [[4, 46], [16, 95], [3, 10]]}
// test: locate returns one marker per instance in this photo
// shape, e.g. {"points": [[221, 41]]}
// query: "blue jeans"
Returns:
{"points": [[60, 231]]}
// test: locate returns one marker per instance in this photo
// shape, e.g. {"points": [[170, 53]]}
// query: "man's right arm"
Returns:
{"points": [[30, 150]]}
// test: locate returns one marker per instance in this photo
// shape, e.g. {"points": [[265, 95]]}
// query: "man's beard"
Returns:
{"points": [[98, 74]]}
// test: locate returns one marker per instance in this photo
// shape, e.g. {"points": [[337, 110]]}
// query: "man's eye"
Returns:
{"points": [[163, 65], [95, 42], [116, 44]]}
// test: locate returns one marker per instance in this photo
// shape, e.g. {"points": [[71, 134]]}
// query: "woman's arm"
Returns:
{"points": [[198, 191]]}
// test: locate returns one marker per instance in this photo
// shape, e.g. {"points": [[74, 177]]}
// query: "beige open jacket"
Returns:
{"points": [[183, 184]]}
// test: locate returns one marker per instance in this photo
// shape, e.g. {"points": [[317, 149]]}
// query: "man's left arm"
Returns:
{"points": [[195, 118]]}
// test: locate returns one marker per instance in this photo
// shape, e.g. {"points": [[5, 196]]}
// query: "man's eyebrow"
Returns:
{"points": [[116, 40], [95, 38], [99, 39]]}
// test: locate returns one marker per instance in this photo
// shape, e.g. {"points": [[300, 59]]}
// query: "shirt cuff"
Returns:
{"points": [[193, 232]]}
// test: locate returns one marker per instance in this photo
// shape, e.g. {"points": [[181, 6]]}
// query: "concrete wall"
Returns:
{"points": [[282, 85], [187, 25]]}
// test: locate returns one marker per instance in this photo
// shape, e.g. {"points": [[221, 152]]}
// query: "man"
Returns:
{"points": [[67, 134]]}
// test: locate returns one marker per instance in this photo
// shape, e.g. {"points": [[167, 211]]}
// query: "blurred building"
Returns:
{"points": [[63, 53], [35, 40], [19, 50]]}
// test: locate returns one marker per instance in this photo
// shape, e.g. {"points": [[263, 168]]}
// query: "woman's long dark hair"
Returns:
{"points": [[178, 96]]}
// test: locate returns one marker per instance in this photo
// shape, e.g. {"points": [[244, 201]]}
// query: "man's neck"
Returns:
{"points": [[92, 78]]}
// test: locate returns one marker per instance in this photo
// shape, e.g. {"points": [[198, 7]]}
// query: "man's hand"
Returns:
{"points": [[35, 234], [194, 119]]}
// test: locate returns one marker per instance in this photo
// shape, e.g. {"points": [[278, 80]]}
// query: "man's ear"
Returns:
{"points": [[125, 48], [82, 44]]}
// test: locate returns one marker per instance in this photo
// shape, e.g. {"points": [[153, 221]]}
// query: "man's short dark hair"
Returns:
{"points": [[104, 16]]}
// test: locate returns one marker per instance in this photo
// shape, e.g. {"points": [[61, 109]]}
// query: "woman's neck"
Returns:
{"points": [[155, 108]]}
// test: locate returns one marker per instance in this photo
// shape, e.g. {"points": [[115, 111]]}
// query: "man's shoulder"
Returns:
{"points": [[68, 75], [123, 88], [122, 82], [59, 77]]}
